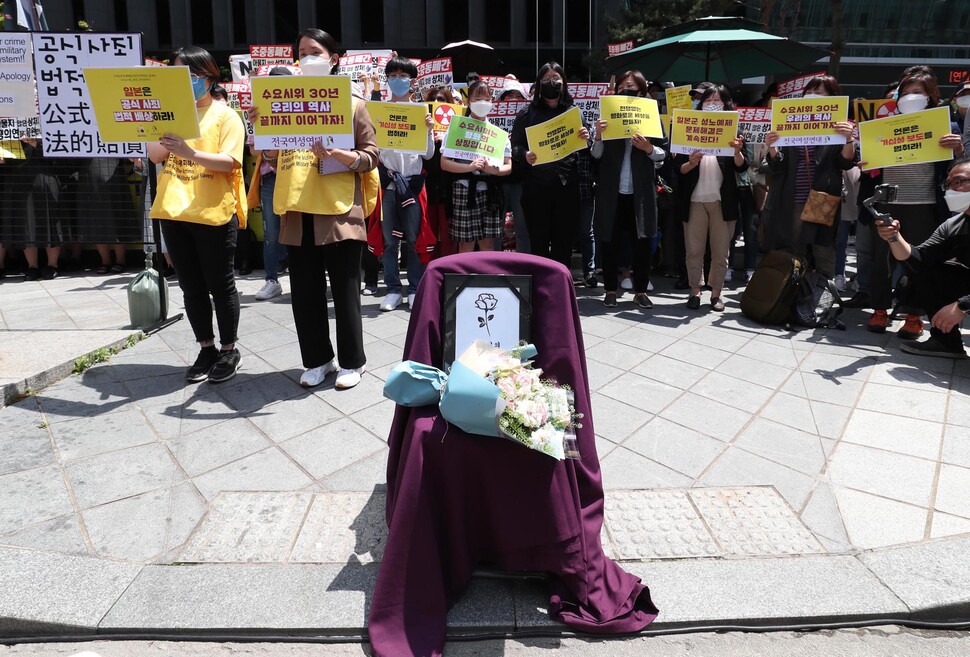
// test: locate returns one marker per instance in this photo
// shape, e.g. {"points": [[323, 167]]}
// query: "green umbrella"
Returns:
{"points": [[705, 50]]}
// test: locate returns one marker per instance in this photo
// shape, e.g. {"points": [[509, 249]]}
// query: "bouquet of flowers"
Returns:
{"points": [[494, 393]]}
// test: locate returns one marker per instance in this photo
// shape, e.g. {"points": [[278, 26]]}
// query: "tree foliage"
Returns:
{"points": [[643, 20]]}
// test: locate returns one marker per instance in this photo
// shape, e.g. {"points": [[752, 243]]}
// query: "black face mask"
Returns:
{"points": [[628, 92], [550, 89]]}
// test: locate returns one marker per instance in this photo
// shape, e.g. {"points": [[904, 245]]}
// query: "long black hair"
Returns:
{"points": [[199, 60], [321, 37], [565, 100]]}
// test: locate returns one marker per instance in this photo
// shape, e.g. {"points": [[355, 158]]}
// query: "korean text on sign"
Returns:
{"points": [[711, 133], [435, 73], [626, 116], [556, 138], [808, 121], [796, 86], [469, 139], [754, 123], [400, 126], [586, 96], [297, 111], [504, 112], [905, 139]]}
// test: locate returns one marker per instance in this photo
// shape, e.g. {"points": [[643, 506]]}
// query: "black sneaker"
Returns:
{"points": [[590, 279], [32, 274], [226, 366], [203, 365], [642, 300], [694, 302], [49, 273], [935, 346]]}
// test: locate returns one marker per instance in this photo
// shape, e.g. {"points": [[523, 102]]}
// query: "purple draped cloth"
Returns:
{"points": [[457, 500]]}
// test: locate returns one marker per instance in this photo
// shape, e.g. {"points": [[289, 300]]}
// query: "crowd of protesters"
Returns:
{"points": [[628, 207]]}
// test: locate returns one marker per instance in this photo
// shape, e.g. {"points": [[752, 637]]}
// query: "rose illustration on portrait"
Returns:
{"points": [[486, 302]]}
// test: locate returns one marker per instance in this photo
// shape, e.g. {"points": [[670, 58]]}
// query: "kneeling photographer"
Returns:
{"points": [[939, 270]]}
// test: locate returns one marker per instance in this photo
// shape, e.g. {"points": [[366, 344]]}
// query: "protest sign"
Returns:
{"points": [[754, 123], [665, 124], [679, 98], [905, 139], [240, 66], [297, 111], [154, 62], [495, 82], [241, 99], [867, 110], [470, 139], [12, 129], [142, 104], [16, 77], [556, 138], [435, 73], [627, 116], [795, 87], [11, 150], [504, 112], [711, 133], [443, 113], [586, 96], [614, 49], [400, 126], [808, 121], [67, 119], [266, 69], [270, 55], [356, 63]]}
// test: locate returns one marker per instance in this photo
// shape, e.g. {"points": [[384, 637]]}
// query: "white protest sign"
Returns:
{"points": [[16, 77]]}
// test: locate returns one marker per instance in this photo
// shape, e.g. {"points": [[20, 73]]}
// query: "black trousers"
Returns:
{"points": [[552, 216], [625, 232], [935, 288], [916, 223], [368, 262], [310, 264], [203, 257]]}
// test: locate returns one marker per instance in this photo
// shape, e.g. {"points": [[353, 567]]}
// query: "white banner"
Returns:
{"points": [[16, 77]]}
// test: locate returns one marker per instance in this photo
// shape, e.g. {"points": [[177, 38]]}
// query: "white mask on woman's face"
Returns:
{"points": [[813, 96], [713, 107], [480, 107], [315, 65], [912, 103], [957, 201], [963, 101]]}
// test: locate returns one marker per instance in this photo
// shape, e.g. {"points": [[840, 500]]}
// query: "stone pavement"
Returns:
{"points": [[752, 475]]}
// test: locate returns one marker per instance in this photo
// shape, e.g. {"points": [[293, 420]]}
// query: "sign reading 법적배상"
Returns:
{"points": [[142, 104], [905, 139], [295, 111], [400, 126], [469, 139], [627, 116], [711, 133], [808, 121], [556, 138]]}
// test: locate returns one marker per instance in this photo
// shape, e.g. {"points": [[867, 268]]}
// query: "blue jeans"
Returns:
{"points": [[587, 241], [406, 222], [273, 253], [841, 244]]}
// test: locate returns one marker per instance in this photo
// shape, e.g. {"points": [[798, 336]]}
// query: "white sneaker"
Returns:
{"points": [[369, 290], [626, 283], [391, 301], [315, 375], [348, 378], [727, 276], [410, 301], [269, 290], [839, 281]]}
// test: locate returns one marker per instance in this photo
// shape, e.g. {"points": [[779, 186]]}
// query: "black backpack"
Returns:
{"points": [[818, 303]]}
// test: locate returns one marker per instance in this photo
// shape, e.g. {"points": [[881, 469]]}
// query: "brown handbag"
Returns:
{"points": [[820, 208]]}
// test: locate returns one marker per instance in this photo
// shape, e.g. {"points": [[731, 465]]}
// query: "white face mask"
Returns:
{"points": [[813, 96], [315, 65], [480, 107], [963, 101], [957, 201], [912, 103]]}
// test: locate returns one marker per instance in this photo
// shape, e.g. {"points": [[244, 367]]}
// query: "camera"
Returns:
{"points": [[882, 194]]}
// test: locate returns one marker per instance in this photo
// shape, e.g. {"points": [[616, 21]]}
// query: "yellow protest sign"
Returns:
{"points": [[679, 98], [11, 150], [443, 113], [905, 139], [808, 121], [867, 110], [142, 104], [627, 116], [295, 111], [711, 133], [400, 126], [665, 124], [556, 138]]}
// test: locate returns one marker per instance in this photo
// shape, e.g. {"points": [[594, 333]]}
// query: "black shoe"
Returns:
{"points": [[203, 365], [3, 273], [694, 302], [226, 367], [245, 268], [717, 304], [858, 300], [610, 300], [642, 300], [49, 273], [935, 346], [33, 274], [681, 284], [590, 279]]}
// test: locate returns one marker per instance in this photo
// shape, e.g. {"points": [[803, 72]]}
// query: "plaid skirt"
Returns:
{"points": [[481, 222]]}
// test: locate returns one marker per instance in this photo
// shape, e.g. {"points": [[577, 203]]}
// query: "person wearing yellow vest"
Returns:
{"points": [[202, 203], [323, 224]]}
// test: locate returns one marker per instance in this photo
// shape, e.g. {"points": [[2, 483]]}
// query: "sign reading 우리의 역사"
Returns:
{"points": [[627, 116], [142, 104], [905, 139], [469, 139], [296, 111], [400, 126], [711, 133], [556, 138], [808, 121]]}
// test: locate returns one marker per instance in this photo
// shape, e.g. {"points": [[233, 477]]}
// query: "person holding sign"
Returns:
{"points": [[708, 197], [550, 192], [476, 214], [798, 172], [202, 202], [626, 198], [919, 205]]}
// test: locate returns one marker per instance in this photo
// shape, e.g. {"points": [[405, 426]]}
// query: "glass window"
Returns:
{"points": [[203, 30], [498, 21], [286, 20], [544, 10], [456, 20], [372, 19], [328, 18], [163, 23], [239, 35]]}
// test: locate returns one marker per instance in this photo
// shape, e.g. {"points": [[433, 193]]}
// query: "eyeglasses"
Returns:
{"points": [[192, 76], [954, 183]]}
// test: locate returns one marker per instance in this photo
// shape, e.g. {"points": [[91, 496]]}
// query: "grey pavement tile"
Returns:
{"points": [[929, 577], [341, 527], [875, 471], [251, 392], [843, 392], [253, 324], [770, 351], [99, 434], [377, 418], [956, 445], [487, 603], [214, 446], [600, 374], [672, 372], [368, 392], [388, 324], [382, 353], [612, 419], [753, 521], [790, 447], [871, 521], [62, 535], [616, 354], [41, 592], [142, 527], [696, 354], [674, 446], [271, 337], [643, 393], [724, 339], [71, 400], [139, 366], [743, 395], [325, 450], [754, 371], [248, 528], [603, 446], [363, 475], [644, 339], [24, 448], [806, 587], [947, 525], [922, 404], [284, 357], [707, 416], [953, 491], [168, 389], [31, 497], [822, 516], [625, 469], [115, 475], [910, 375], [792, 411], [656, 524], [292, 417], [24, 413], [830, 419], [602, 327], [958, 410], [905, 435], [838, 366], [735, 467], [268, 470], [166, 420]]}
